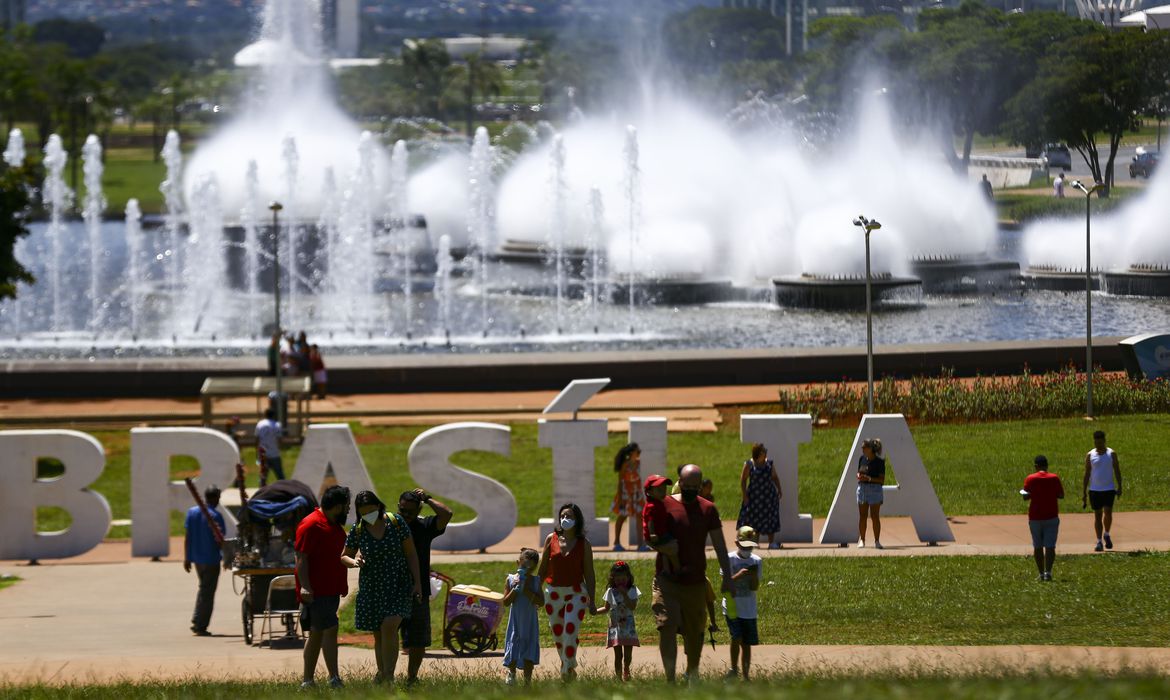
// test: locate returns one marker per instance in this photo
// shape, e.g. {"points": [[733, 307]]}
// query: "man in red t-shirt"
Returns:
{"points": [[680, 599], [322, 580], [1042, 490]]}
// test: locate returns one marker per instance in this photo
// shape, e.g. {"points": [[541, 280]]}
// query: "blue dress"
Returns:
{"points": [[522, 638], [763, 507]]}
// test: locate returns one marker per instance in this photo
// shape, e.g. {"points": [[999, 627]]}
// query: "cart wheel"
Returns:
{"points": [[247, 614], [466, 635]]}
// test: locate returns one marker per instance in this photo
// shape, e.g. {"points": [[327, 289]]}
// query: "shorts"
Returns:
{"points": [[1044, 532], [743, 630], [869, 493], [1101, 499], [321, 614], [416, 629], [683, 607]]}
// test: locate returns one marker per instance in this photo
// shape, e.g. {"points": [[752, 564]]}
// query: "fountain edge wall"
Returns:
{"points": [[138, 378]]}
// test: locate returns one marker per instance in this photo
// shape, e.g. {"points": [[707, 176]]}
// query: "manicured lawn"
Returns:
{"points": [[951, 600], [976, 468], [133, 173], [927, 686]]}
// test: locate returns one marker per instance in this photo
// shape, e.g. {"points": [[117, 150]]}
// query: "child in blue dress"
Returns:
{"points": [[523, 595]]}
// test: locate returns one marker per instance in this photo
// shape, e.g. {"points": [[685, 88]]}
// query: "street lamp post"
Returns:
{"points": [[1088, 294], [275, 208], [868, 225]]}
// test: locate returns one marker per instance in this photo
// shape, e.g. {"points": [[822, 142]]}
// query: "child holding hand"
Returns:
{"points": [[523, 595], [621, 599]]}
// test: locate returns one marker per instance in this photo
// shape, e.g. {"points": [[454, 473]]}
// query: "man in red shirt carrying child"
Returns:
{"points": [[1042, 489]]}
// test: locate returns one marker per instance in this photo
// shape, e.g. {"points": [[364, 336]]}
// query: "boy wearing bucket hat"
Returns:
{"points": [[739, 606]]}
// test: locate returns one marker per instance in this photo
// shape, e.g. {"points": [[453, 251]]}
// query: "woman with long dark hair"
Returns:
{"points": [[871, 476], [759, 487], [566, 567]]}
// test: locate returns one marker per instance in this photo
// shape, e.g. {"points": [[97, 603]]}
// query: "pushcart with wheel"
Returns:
{"points": [[471, 617]]}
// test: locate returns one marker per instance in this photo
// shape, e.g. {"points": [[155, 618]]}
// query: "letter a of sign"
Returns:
{"points": [[913, 496]]}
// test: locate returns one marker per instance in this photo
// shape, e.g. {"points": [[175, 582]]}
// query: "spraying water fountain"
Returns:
{"points": [[665, 227]]}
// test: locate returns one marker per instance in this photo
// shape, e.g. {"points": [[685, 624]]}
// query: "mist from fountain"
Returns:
{"points": [[172, 191], [1134, 234], [593, 247], [558, 224], [481, 200], [14, 153], [133, 264], [95, 206], [328, 229], [351, 278], [398, 211], [290, 159], [205, 272], [443, 284], [632, 189], [59, 198]]}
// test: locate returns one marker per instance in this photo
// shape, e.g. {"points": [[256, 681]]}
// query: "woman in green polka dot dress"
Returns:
{"points": [[380, 545]]}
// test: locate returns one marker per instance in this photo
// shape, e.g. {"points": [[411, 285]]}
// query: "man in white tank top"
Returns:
{"points": [[1101, 485]]}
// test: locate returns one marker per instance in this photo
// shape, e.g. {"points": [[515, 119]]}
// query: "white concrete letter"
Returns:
{"points": [[573, 443], [783, 435], [494, 505], [913, 495], [331, 445], [21, 492], [650, 434], [153, 495]]}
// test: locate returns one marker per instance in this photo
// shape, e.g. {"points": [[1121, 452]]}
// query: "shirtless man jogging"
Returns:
{"points": [[1101, 485]]}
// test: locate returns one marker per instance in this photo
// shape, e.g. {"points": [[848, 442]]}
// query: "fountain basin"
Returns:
{"points": [[966, 274], [841, 292], [1140, 281], [1058, 279]]}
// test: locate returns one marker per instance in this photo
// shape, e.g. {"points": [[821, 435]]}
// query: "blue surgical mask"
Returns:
{"points": [[567, 524]]}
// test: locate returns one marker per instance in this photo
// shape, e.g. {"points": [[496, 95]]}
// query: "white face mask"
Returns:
{"points": [[567, 524], [371, 517]]}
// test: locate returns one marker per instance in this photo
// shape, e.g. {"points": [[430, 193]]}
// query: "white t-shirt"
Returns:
{"points": [[268, 437], [1101, 470], [745, 597], [615, 597]]}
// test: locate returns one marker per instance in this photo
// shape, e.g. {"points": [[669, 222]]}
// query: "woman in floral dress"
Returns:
{"points": [[630, 499]]}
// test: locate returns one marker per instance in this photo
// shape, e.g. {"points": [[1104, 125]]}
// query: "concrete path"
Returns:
{"points": [[83, 623]]}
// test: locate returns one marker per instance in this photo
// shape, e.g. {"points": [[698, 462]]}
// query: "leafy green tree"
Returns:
{"points": [[841, 49], [82, 39], [426, 67], [1093, 87], [15, 209], [478, 77]]}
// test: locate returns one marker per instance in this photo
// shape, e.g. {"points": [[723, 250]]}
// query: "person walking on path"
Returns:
{"points": [[268, 432], [739, 606], [416, 630], [988, 190], [389, 585], [202, 551], [320, 375], [1102, 484], [1042, 489], [321, 580], [1058, 186], [621, 600], [566, 565], [871, 475], [629, 499], [523, 597], [760, 493], [679, 601]]}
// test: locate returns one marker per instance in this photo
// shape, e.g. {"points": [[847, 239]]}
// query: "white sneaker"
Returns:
{"points": [[510, 680], [861, 544]]}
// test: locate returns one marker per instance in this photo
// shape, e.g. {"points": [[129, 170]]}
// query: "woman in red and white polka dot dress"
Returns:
{"points": [[566, 566]]}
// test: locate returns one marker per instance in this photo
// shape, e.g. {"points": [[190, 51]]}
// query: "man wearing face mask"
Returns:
{"points": [[680, 600], [322, 580], [416, 631]]}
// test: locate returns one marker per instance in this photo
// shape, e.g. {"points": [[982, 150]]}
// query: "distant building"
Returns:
{"points": [[772, 6], [12, 13], [342, 24]]}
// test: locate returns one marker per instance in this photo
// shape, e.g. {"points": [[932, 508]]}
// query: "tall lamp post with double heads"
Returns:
{"points": [[1088, 293], [868, 225], [275, 208]]}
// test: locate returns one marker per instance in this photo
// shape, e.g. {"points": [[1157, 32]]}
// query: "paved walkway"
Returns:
{"points": [[80, 623]]}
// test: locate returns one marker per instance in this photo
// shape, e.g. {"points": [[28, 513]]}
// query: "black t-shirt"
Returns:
{"points": [[874, 470], [423, 531]]}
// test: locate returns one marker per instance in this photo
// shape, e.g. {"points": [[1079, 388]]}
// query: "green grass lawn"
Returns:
{"points": [[976, 468], [928, 686], [6, 581], [1100, 600], [133, 173]]}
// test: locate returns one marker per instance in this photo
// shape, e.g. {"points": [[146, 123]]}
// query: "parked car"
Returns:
{"points": [[1057, 155], [1143, 163]]}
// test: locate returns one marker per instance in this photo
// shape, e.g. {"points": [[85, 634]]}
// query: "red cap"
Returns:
{"points": [[656, 480]]}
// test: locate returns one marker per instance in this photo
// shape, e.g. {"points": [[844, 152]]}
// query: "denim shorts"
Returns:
{"points": [[321, 614], [743, 630], [1044, 532], [869, 493]]}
